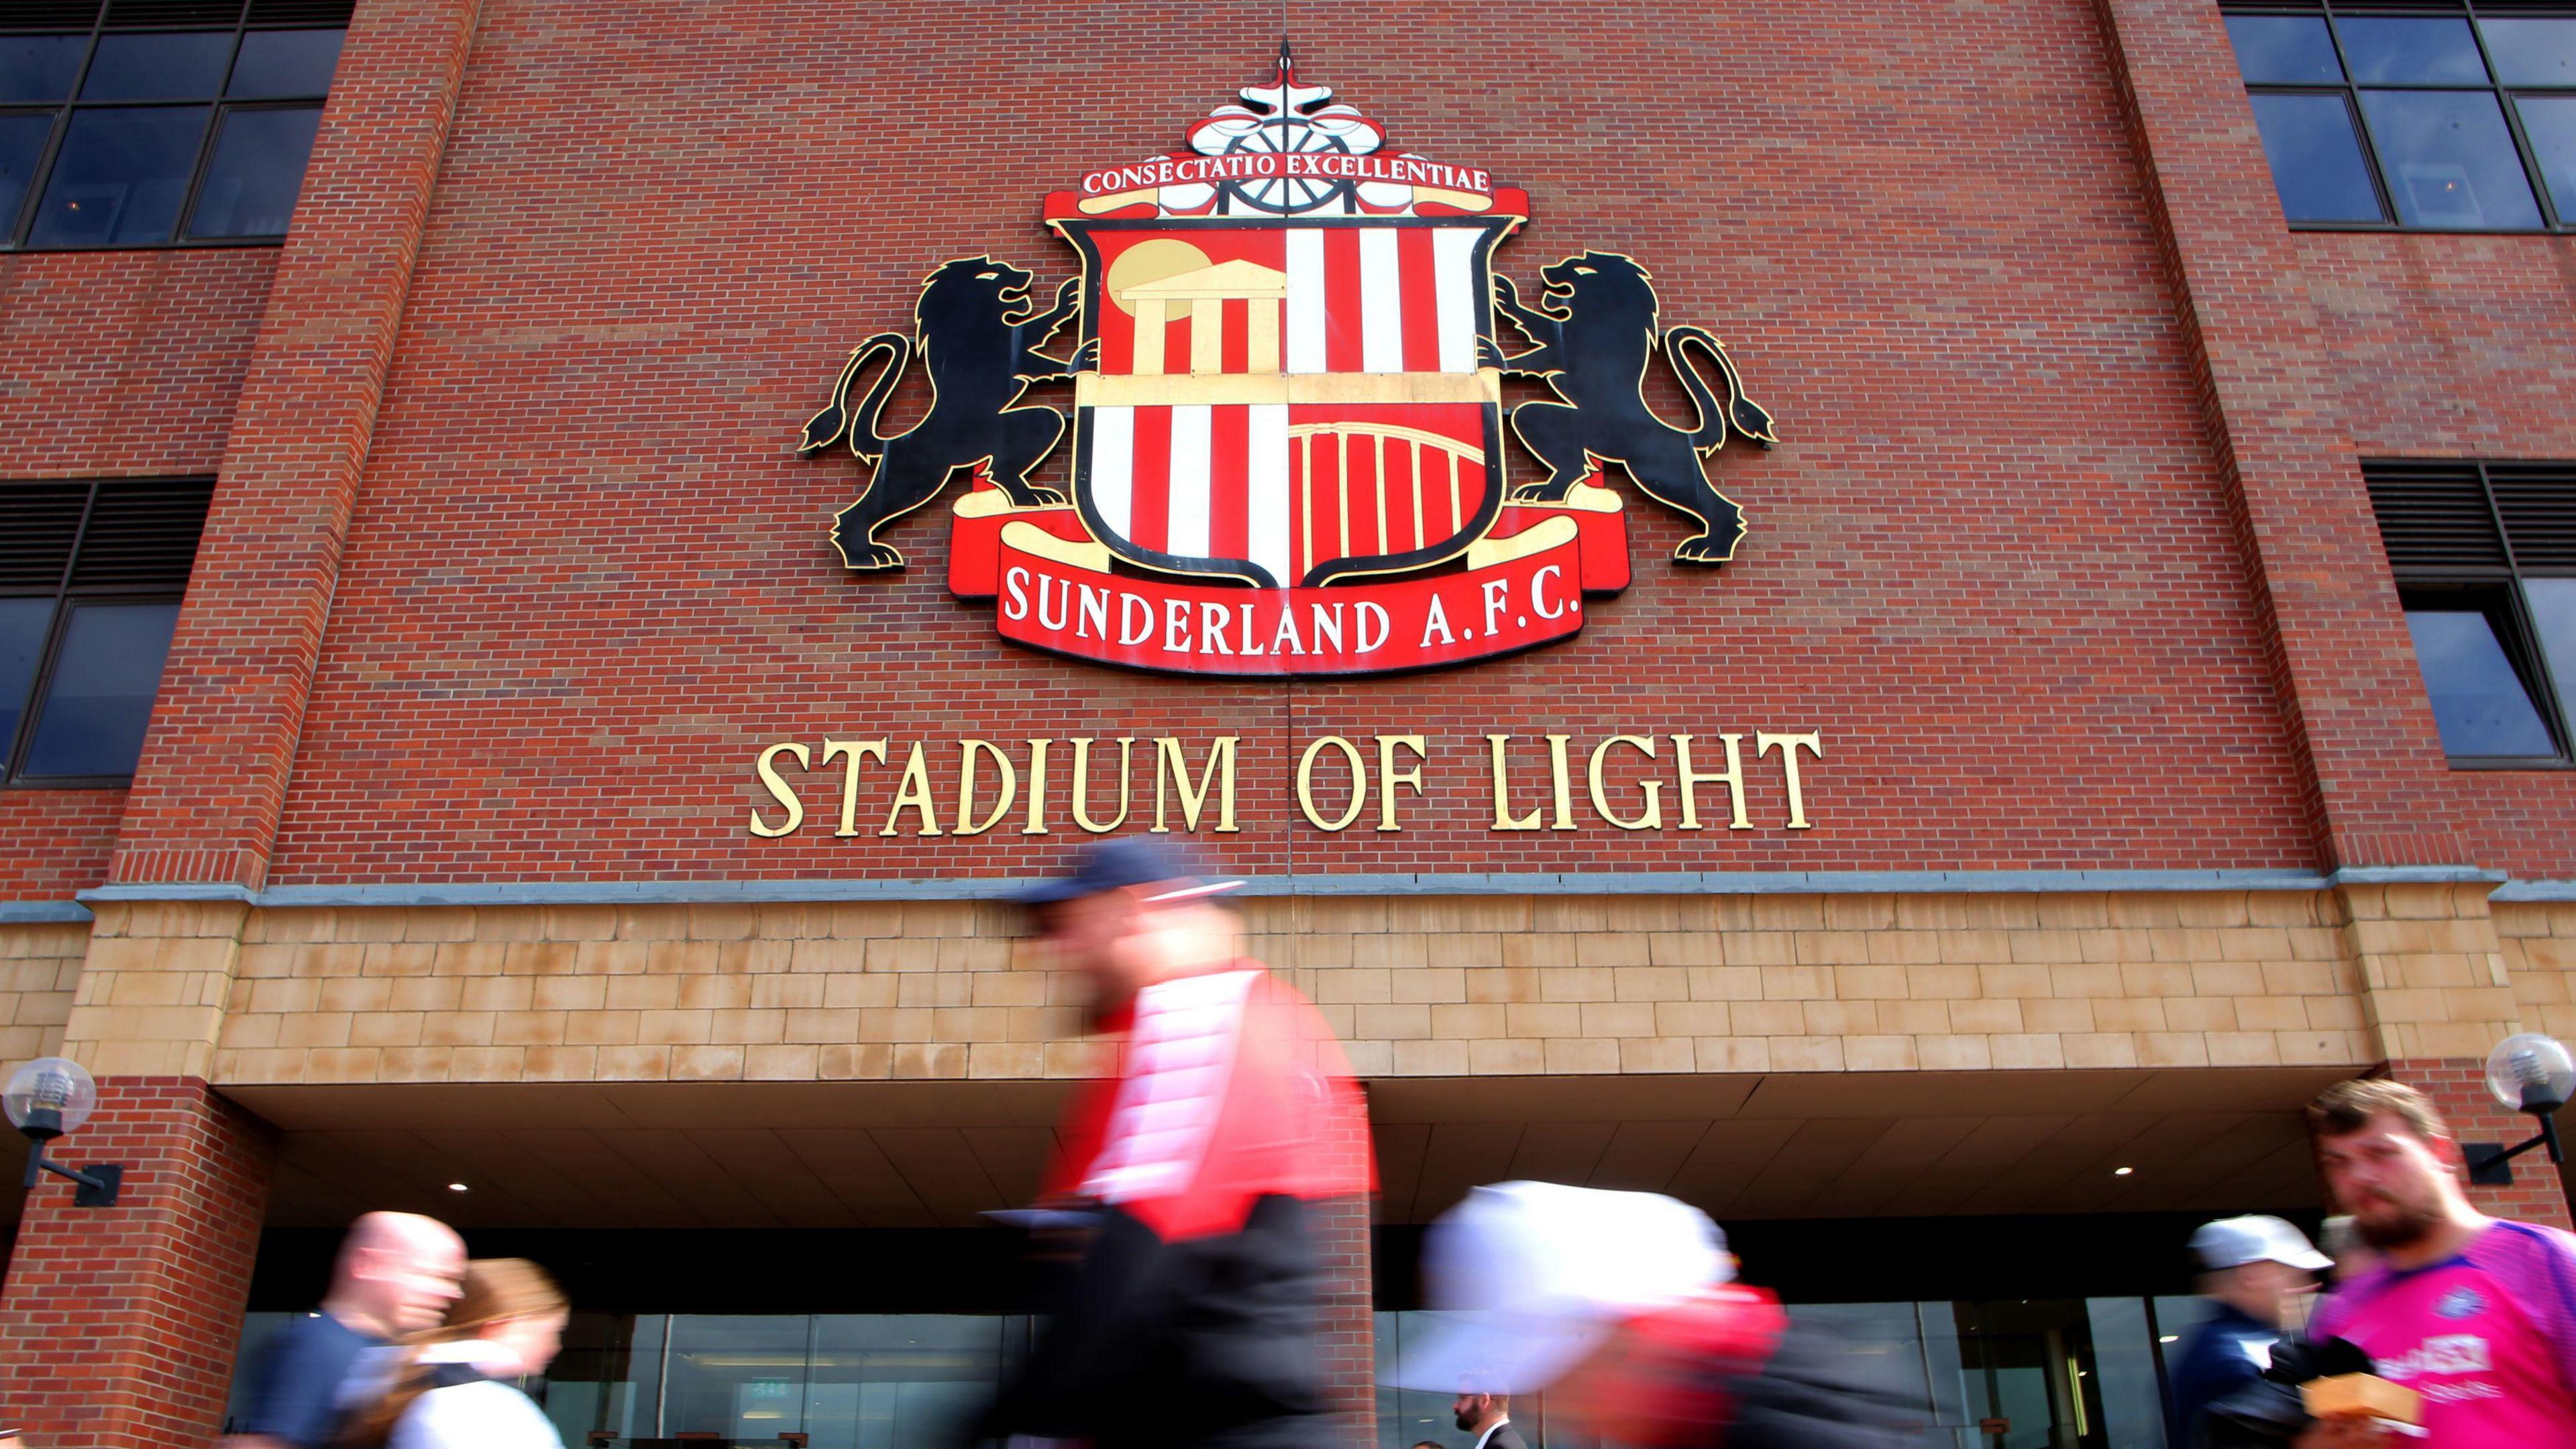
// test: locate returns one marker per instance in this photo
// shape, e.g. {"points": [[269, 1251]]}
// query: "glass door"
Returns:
{"points": [[2029, 1374]]}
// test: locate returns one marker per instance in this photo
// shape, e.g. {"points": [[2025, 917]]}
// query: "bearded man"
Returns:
{"points": [[2476, 1314]]}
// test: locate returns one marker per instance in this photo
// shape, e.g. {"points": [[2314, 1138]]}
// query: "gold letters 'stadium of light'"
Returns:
{"points": [[1528, 781]]}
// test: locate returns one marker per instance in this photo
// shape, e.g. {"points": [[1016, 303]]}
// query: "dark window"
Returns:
{"points": [[2485, 558], [2315, 151], [2435, 115], [90, 579], [151, 122]]}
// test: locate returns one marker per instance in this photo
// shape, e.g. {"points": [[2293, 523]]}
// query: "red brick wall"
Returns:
{"points": [[119, 364], [2455, 347], [56, 842], [587, 579], [117, 1324], [2458, 1087], [112, 365], [2066, 553]]}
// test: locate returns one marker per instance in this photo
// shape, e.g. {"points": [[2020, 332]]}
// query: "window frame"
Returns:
{"points": [[2555, 700], [2506, 97], [15, 230], [66, 598]]}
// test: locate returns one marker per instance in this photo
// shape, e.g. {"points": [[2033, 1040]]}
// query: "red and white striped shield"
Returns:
{"points": [[1287, 401]]}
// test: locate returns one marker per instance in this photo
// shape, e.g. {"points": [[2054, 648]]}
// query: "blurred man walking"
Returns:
{"points": [[2250, 1266], [396, 1274], [1193, 1317]]}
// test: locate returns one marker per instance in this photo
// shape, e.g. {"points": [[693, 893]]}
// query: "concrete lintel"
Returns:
{"points": [[19, 913], [2371, 875], [1568, 883], [177, 891]]}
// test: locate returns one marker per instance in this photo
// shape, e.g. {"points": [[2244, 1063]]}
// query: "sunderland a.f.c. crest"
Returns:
{"points": [[1289, 433]]}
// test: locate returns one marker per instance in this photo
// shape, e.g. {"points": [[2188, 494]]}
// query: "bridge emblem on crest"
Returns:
{"points": [[1289, 427]]}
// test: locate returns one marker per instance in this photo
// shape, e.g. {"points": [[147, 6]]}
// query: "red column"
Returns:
{"points": [[2458, 1087], [212, 781], [1349, 1331], [117, 1324], [2354, 712]]}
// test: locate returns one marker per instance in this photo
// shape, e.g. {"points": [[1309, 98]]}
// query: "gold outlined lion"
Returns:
{"points": [[1592, 336], [981, 358]]}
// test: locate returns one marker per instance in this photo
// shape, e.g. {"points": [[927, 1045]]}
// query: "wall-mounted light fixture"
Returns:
{"points": [[2527, 1073], [45, 1099]]}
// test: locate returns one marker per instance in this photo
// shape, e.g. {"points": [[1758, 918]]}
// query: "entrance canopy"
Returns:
{"points": [[933, 1154]]}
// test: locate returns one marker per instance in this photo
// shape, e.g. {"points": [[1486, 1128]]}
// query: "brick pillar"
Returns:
{"points": [[117, 1324], [212, 781], [2341, 662], [1349, 1331]]}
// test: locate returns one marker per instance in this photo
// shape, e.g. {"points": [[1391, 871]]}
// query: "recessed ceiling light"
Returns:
{"points": [[2122, 1171], [2170, 1338], [460, 1187]]}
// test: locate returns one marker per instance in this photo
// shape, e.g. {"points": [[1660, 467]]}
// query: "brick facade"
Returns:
{"points": [[117, 1325], [1978, 675], [511, 572]]}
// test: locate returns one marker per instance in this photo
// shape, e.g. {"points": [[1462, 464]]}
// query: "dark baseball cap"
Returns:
{"points": [[1123, 864]]}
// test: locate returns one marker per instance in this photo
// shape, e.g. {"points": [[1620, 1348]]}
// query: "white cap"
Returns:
{"points": [[1532, 1276], [2234, 1242]]}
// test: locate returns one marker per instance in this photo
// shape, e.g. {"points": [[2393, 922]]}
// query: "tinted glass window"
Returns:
{"points": [[2532, 52], [2478, 699], [2316, 158], [897, 1381], [184, 67], [2384, 50], [2553, 611], [2449, 159], [105, 675], [2284, 49], [149, 138], [734, 1376], [258, 167], [22, 145], [120, 177], [22, 645], [2550, 124], [39, 67], [285, 63]]}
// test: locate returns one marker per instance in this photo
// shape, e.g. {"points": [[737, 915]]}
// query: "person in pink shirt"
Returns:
{"points": [[2476, 1314]]}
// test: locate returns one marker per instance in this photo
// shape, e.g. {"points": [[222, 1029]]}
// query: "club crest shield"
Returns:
{"points": [[1291, 452]]}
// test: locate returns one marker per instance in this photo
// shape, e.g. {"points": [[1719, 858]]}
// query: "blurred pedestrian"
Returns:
{"points": [[2251, 1271], [1624, 1308], [2475, 1314], [451, 1388], [396, 1274], [1194, 1313], [1489, 1418]]}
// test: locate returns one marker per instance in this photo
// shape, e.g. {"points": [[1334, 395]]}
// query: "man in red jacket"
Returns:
{"points": [[1193, 1317]]}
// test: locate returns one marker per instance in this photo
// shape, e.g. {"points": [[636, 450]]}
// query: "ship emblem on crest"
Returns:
{"points": [[1291, 452]]}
